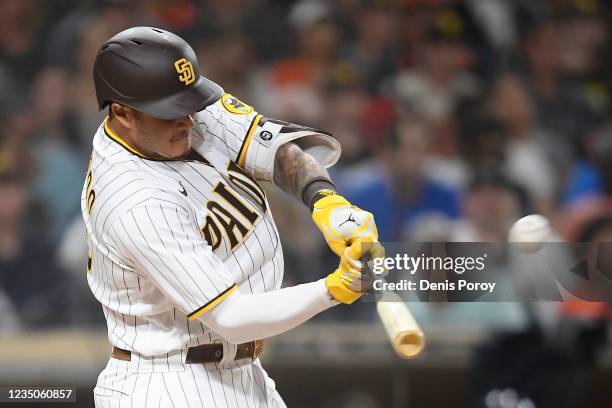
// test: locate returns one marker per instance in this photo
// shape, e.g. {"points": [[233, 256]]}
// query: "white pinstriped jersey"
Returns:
{"points": [[159, 230]]}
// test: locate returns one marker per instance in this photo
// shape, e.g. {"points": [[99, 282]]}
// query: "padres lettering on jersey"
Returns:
{"points": [[171, 239], [227, 211]]}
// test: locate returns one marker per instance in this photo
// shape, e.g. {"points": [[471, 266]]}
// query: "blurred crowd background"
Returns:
{"points": [[455, 117]]}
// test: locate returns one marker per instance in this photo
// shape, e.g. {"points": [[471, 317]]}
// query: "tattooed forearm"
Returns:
{"points": [[299, 174]]}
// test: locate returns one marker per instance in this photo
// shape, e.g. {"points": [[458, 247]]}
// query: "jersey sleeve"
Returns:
{"points": [[251, 139], [162, 242], [227, 124]]}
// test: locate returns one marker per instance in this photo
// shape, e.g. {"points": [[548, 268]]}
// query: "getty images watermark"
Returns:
{"points": [[490, 272], [413, 264]]}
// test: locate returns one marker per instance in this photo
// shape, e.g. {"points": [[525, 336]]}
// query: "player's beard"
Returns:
{"points": [[181, 138]]}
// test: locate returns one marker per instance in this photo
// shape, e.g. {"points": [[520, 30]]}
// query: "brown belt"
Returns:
{"points": [[206, 353]]}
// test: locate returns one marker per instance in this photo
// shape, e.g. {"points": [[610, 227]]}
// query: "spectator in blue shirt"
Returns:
{"points": [[403, 191]]}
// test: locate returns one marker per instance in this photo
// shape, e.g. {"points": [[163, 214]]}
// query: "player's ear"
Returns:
{"points": [[122, 114]]}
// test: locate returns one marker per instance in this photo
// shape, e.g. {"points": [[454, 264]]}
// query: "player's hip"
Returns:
{"points": [[195, 385]]}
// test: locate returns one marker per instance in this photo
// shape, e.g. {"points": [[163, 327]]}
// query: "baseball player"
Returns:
{"points": [[184, 255]]}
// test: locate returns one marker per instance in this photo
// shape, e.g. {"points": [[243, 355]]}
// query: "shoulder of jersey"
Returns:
{"points": [[227, 112], [231, 104]]}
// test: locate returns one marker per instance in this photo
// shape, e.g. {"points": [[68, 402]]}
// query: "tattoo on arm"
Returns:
{"points": [[299, 174]]}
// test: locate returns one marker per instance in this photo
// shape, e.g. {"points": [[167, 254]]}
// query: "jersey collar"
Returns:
{"points": [[109, 133], [192, 156]]}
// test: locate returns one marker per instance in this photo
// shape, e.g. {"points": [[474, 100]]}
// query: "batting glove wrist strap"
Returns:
{"points": [[338, 285], [347, 283], [317, 189], [353, 276]]}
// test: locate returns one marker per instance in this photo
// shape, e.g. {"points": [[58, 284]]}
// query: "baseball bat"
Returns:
{"points": [[405, 335]]}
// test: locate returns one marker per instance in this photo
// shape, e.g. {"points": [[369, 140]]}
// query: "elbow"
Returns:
{"points": [[286, 152]]}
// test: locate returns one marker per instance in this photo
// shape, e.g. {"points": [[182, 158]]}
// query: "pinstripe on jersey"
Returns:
{"points": [[151, 266]]}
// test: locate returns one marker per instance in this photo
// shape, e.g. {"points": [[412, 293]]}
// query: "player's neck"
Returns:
{"points": [[125, 137]]}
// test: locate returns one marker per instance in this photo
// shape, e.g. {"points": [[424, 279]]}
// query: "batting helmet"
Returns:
{"points": [[153, 71]]}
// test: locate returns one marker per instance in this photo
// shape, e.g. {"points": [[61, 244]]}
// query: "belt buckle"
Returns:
{"points": [[257, 349]]}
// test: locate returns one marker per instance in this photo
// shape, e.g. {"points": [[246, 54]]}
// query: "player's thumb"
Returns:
{"points": [[365, 247]]}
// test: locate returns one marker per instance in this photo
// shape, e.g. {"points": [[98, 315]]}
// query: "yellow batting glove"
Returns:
{"points": [[350, 281], [341, 223]]}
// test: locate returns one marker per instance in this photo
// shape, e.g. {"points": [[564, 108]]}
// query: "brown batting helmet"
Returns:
{"points": [[153, 71]]}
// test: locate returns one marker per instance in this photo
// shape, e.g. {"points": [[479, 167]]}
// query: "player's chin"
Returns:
{"points": [[179, 147]]}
